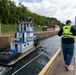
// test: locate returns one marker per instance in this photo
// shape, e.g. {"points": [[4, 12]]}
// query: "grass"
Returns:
{"points": [[7, 29], [10, 29], [37, 29]]}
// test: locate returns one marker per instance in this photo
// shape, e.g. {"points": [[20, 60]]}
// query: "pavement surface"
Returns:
{"points": [[58, 68]]}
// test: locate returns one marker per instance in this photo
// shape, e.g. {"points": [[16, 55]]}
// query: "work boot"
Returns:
{"points": [[66, 67], [69, 68]]}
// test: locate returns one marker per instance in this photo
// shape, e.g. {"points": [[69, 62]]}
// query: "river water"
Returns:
{"points": [[49, 47]]}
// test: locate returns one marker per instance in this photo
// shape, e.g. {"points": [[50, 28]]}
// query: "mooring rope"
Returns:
{"points": [[27, 64]]}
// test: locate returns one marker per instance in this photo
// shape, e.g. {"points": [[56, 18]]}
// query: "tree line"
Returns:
{"points": [[11, 14]]}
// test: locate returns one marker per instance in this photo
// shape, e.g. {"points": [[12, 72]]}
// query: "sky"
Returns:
{"points": [[61, 9]]}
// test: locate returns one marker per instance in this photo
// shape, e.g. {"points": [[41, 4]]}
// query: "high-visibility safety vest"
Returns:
{"points": [[67, 32]]}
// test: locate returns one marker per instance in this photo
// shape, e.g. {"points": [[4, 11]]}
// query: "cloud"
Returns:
{"points": [[61, 9], [16, 2]]}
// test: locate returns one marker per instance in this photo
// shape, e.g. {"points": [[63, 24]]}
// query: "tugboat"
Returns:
{"points": [[24, 42]]}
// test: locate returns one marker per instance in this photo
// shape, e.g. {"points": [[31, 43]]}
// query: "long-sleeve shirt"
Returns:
{"points": [[68, 40]]}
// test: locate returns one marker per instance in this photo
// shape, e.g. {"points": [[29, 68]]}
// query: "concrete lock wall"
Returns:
{"points": [[5, 39], [45, 34]]}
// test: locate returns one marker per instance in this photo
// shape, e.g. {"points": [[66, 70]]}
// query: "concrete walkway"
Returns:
{"points": [[58, 67]]}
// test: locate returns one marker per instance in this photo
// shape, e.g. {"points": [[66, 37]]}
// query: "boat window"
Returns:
{"points": [[24, 45], [16, 47], [15, 35], [28, 44], [23, 37], [24, 27], [27, 25], [21, 27], [31, 25]]}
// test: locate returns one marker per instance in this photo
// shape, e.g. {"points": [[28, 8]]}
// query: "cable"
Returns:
{"points": [[27, 63]]}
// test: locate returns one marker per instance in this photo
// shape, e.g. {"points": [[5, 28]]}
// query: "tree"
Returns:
{"points": [[10, 13]]}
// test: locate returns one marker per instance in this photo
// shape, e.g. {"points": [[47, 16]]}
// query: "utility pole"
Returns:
{"points": [[0, 27], [75, 20]]}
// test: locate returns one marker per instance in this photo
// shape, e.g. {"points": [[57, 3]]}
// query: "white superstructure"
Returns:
{"points": [[23, 40]]}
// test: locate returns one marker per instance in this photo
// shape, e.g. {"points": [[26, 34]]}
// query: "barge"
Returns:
{"points": [[24, 42]]}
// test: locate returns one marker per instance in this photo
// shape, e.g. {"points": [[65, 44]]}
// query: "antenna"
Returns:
{"points": [[0, 27], [75, 20]]}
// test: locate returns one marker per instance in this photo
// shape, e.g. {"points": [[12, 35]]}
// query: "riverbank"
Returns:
{"points": [[5, 39]]}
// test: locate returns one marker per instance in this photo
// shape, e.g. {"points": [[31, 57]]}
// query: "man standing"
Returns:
{"points": [[67, 34]]}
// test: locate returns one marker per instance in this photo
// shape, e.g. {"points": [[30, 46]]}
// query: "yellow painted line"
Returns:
{"points": [[45, 69]]}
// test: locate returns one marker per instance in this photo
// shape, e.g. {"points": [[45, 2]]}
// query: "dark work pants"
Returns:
{"points": [[68, 51]]}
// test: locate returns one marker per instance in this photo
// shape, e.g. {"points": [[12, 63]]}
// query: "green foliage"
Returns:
{"points": [[7, 29], [10, 29], [11, 14], [37, 29]]}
